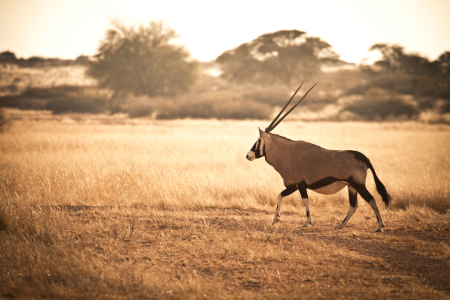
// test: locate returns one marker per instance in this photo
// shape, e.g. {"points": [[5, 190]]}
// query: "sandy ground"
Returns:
{"points": [[244, 254]]}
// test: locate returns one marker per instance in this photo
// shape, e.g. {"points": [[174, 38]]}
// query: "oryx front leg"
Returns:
{"points": [[304, 193], [276, 218], [308, 215], [289, 190]]}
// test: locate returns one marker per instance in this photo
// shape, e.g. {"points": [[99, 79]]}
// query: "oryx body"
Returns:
{"points": [[304, 166]]}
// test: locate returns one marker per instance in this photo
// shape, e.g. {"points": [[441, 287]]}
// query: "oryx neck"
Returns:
{"points": [[275, 149]]}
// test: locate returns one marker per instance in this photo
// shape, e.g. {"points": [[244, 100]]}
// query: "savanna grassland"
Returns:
{"points": [[173, 210]]}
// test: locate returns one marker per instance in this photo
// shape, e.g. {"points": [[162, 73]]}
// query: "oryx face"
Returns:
{"points": [[257, 150]]}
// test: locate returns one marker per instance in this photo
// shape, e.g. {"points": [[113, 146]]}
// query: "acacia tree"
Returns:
{"points": [[443, 62], [142, 61], [284, 55], [395, 60]]}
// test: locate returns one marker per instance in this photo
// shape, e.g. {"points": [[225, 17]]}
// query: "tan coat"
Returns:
{"points": [[299, 161]]}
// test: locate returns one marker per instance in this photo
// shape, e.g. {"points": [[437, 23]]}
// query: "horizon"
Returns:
{"points": [[69, 29]]}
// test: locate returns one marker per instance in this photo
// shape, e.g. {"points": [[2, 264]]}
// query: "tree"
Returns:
{"points": [[8, 57], [395, 60], [142, 61], [443, 62], [82, 60], [285, 55]]}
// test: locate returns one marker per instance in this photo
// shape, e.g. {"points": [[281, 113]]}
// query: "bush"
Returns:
{"points": [[224, 104], [63, 99], [272, 95], [377, 104], [60, 99], [238, 110], [141, 106], [3, 125], [419, 86]]}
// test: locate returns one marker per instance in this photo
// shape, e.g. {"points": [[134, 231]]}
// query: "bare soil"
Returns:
{"points": [[244, 254]]}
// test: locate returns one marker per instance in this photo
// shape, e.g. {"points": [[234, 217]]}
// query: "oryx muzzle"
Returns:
{"points": [[304, 166]]}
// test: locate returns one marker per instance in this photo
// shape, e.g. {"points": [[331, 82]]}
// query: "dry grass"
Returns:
{"points": [[171, 209]]}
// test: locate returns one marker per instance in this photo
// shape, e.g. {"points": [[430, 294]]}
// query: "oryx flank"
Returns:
{"points": [[304, 166]]}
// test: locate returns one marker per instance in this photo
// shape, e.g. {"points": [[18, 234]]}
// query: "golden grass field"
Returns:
{"points": [[173, 210]]}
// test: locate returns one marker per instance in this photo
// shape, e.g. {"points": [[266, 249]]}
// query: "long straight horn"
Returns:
{"points": [[270, 128], [278, 122]]}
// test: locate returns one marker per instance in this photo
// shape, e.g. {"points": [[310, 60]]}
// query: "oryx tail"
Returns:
{"points": [[381, 189]]}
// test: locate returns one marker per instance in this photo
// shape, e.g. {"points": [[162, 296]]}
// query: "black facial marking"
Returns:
{"points": [[257, 149]]}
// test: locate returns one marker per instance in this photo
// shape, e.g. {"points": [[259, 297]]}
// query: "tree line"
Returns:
{"points": [[143, 63], [10, 58]]}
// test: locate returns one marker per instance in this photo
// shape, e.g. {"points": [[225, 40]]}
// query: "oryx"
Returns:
{"points": [[304, 166]]}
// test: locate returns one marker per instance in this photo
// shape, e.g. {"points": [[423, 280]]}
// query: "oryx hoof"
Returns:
{"points": [[379, 230], [338, 227], [275, 220], [307, 224]]}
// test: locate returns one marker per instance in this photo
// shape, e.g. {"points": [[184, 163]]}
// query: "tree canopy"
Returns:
{"points": [[444, 63], [142, 61], [284, 56], [395, 60]]}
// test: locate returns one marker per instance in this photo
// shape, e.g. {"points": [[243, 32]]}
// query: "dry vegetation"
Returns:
{"points": [[15, 80], [172, 209]]}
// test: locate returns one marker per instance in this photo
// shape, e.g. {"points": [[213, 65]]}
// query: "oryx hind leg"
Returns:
{"points": [[353, 198], [362, 190], [289, 190]]}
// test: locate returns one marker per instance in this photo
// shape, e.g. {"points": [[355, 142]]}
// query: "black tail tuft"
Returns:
{"points": [[380, 187]]}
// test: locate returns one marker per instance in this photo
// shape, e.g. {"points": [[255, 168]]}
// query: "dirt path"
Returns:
{"points": [[400, 259], [238, 249], [431, 271]]}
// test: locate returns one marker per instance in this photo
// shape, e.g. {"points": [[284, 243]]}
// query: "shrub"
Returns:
{"points": [[377, 104], [63, 99], [239, 110], [4, 122], [60, 99], [141, 106], [419, 86], [223, 104], [271, 95]]}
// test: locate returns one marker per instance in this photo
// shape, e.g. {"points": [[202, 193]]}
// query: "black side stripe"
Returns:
{"points": [[324, 182]]}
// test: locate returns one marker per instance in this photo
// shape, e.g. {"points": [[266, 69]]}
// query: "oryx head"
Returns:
{"points": [[259, 150]]}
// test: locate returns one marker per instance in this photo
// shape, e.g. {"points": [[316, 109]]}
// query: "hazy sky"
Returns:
{"points": [[68, 28]]}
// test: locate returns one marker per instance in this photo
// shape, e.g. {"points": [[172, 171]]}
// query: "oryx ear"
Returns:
{"points": [[263, 134]]}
